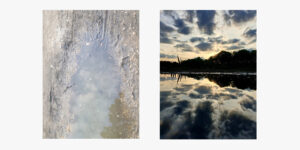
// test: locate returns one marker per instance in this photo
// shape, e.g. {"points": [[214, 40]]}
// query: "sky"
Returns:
{"points": [[203, 33]]}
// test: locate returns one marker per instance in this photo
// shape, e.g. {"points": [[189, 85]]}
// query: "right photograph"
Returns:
{"points": [[208, 74]]}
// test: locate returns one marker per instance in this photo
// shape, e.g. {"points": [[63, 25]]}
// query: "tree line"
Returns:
{"points": [[242, 60]]}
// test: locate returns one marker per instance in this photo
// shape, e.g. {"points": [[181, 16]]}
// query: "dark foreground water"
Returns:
{"points": [[208, 106]]}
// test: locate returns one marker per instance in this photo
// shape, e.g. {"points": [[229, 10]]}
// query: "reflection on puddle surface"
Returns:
{"points": [[207, 106], [90, 74], [123, 124]]}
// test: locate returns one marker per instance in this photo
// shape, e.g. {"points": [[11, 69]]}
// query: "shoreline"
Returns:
{"points": [[213, 73]]}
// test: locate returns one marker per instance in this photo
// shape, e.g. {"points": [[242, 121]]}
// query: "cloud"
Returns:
{"points": [[215, 39], [164, 30], [164, 95], [195, 96], [248, 103], [253, 41], [165, 104], [181, 106], [231, 41], [250, 33], [233, 124], [167, 56], [184, 47], [184, 88], [196, 126], [232, 90], [182, 28], [171, 13], [221, 96], [165, 126], [190, 15], [194, 39], [234, 47], [206, 21], [238, 44], [203, 89], [203, 122], [164, 38], [239, 16], [204, 46], [183, 103], [179, 23], [242, 43]]}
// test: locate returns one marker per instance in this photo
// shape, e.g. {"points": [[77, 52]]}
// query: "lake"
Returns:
{"points": [[208, 106]]}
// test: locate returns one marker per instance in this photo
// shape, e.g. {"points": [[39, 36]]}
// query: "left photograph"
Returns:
{"points": [[90, 74]]}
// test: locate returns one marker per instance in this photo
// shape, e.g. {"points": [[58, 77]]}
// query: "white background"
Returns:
{"points": [[21, 74]]}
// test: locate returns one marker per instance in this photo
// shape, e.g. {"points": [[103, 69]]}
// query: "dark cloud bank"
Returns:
{"points": [[182, 28], [206, 21], [239, 16]]}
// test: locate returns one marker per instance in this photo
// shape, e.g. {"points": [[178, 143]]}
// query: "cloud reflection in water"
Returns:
{"points": [[207, 106]]}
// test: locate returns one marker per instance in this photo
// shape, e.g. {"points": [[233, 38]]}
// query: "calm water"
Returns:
{"points": [[208, 106]]}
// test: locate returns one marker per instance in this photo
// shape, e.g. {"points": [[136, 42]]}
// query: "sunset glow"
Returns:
{"points": [[203, 33]]}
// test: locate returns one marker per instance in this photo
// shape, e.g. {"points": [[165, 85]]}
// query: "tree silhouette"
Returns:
{"points": [[242, 60]]}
